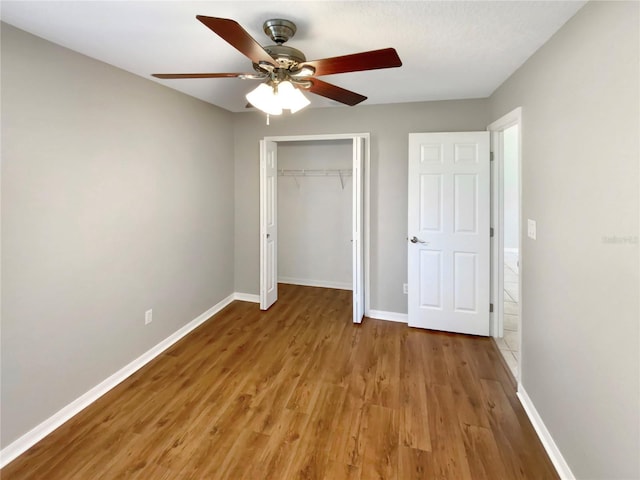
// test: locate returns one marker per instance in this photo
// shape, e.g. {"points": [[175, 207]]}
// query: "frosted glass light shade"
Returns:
{"points": [[273, 100], [264, 98], [291, 98]]}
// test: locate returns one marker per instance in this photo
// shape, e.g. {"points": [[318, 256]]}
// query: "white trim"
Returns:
{"points": [[366, 188], [388, 316], [514, 117], [497, 241], [315, 283], [562, 467], [306, 138], [26, 441], [246, 297], [497, 281]]}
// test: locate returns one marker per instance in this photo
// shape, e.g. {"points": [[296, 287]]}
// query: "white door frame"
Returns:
{"points": [[497, 129], [366, 213]]}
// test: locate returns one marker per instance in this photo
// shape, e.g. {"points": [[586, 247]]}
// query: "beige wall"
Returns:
{"points": [[389, 126], [117, 197], [580, 135]]}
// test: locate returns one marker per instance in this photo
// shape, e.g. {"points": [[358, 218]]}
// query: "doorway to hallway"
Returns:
{"points": [[506, 241]]}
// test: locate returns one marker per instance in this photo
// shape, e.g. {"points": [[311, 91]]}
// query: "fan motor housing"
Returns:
{"points": [[286, 57], [280, 30]]}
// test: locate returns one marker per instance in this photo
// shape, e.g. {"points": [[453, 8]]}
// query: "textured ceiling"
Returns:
{"points": [[450, 50]]}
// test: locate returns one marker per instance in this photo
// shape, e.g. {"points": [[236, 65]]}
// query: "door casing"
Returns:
{"points": [[497, 221], [497, 212], [365, 211]]}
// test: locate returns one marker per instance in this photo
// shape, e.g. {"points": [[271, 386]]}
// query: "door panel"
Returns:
{"points": [[465, 273], [358, 230], [465, 203], [431, 287], [449, 231], [431, 203], [268, 224]]}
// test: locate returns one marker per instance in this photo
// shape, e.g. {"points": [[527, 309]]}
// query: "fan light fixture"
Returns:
{"points": [[273, 98]]}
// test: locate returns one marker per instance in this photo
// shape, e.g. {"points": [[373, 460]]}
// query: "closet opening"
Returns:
{"points": [[314, 215]]}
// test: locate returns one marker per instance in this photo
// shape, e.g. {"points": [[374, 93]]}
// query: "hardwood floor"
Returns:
{"points": [[299, 392]]}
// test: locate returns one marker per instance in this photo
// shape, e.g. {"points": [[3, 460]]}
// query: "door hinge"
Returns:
{"points": [[491, 231], [491, 156], [491, 308]]}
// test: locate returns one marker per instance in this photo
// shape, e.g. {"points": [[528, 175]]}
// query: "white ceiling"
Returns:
{"points": [[449, 50]]}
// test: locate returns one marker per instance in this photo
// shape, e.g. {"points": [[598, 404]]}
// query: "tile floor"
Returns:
{"points": [[509, 344]]}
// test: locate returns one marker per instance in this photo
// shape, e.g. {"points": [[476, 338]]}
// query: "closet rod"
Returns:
{"points": [[314, 172]]}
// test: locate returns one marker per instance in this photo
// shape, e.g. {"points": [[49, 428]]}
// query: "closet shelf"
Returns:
{"points": [[341, 173], [315, 173]]}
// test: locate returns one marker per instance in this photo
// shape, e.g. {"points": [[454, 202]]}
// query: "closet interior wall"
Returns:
{"points": [[314, 213]]}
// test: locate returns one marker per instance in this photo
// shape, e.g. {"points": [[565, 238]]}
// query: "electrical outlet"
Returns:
{"points": [[148, 317], [405, 288]]}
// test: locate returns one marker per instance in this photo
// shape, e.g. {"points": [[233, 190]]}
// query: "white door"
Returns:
{"points": [[268, 224], [358, 236], [448, 231]]}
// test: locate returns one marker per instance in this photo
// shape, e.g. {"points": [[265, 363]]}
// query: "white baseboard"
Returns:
{"points": [[246, 297], [389, 316], [545, 437], [26, 441], [315, 283]]}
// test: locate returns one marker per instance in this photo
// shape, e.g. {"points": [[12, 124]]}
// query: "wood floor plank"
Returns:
{"points": [[432, 357], [483, 456], [414, 431], [312, 456], [241, 457], [381, 444], [520, 448], [386, 387], [135, 457], [465, 385], [415, 464], [342, 471], [347, 445], [300, 392], [282, 448], [449, 455]]}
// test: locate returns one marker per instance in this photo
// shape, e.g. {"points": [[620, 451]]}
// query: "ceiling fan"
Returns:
{"points": [[285, 70]]}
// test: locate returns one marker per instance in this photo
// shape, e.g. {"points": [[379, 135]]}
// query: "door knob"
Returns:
{"points": [[417, 240]]}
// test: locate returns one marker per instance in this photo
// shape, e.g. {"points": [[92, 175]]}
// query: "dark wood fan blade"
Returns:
{"points": [[231, 31], [373, 60], [199, 75], [334, 92]]}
